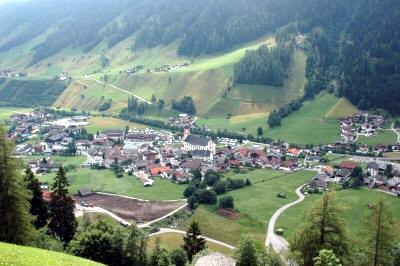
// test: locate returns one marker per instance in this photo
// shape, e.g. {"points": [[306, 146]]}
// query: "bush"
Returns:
{"points": [[211, 179], [119, 175], [235, 184], [206, 196], [188, 192], [220, 187], [226, 202]]}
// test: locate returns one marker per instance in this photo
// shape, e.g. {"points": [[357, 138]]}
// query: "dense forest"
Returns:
{"points": [[264, 66], [184, 105], [30, 92], [352, 45]]}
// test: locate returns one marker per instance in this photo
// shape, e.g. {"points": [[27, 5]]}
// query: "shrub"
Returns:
{"points": [[119, 175], [206, 196], [226, 202], [220, 187], [188, 192]]}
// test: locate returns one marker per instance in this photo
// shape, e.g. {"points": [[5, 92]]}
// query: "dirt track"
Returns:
{"points": [[130, 209]]}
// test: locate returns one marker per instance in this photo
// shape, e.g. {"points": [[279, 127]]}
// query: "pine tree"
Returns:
{"points": [[62, 219], [381, 238], [38, 205], [15, 220], [323, 229], [193, 242]]}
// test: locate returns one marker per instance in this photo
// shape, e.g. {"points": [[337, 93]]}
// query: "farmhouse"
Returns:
{"points": [[192, 142]]}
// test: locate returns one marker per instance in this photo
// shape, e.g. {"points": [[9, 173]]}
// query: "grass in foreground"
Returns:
{"points": [[256, 205], [175, 240], [27, 256], [354, 200]]}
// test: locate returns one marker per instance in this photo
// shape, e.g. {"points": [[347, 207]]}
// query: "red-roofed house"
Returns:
{"points": [[348, 165], [293, 152], [158, 170]]}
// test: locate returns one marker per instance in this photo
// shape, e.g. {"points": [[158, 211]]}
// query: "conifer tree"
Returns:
{"points": [[323, 229], [15, 220], [62, 219], [381, 237], [38, 205], [193, 242]]}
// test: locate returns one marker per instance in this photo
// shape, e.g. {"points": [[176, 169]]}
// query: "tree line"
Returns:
{"points": [[184, 105]]}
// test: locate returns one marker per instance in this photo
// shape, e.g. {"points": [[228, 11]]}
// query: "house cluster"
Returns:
{"points": [[383, 175], [360, 124], [63, 76], [168, 68], [182, 120], [7, 73], [135, 69], [330, 174]]}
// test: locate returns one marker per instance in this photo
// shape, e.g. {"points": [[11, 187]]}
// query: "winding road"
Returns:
{"points": [[278, 243]]}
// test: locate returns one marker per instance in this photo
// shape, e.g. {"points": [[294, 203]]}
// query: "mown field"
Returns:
{"points": [[27, 256], [256, 205], [100, 123], [7, 112], [355, 202], [341, 109], [383, 137], [106, 181], [175, 240], [309, 124]]}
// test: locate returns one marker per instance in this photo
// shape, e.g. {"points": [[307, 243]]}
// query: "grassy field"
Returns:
{"points": [[255, 203], [341, 109], [383, 137], [106, 181], [6, 112], [174, 240], [250, 105], [26, 256], [309, 124], [355, 201], [99, 123]]}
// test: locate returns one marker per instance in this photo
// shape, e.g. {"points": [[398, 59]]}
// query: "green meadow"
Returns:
{"points": [[355, 202], [256, 205]]}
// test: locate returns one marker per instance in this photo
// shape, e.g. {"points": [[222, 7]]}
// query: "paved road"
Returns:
{"points": [[167, 230], [278, 243]]}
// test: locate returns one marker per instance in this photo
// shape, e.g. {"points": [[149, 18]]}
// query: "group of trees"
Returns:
{"points": [[22, 206], [185, 105], [113, 245], [276, 116], [264, 66], [134, 106], [324, 237], [197, 191]]}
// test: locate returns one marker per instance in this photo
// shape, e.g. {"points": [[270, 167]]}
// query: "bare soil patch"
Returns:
{"points": [[131, 209], [228, 213]]}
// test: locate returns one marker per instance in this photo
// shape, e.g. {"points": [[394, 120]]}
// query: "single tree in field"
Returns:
{"points": [[326, 258], [193, 242], [153, 98], [62, 219], [160, 255], [260, 131], [15, 220], [136, 247], [323, 229], [38, 205], [381, 235]]}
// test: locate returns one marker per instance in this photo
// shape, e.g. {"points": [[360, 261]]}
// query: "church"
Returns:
{"points": [[196, 143]]}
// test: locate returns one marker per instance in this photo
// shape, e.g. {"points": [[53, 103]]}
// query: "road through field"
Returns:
{"points": [[278, 243]]}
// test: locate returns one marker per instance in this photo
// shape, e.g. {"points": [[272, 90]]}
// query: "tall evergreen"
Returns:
{"points": [[323, 229], [38, 206], [15, 220], [193, 242], [381, 236], [62, 219]]}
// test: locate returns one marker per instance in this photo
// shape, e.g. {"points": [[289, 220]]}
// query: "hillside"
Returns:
{"points": [[26, 256]]}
